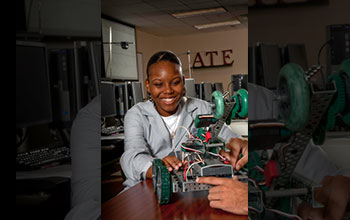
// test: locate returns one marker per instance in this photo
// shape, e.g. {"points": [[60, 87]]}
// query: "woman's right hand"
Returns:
{"points": [[171, 162]]}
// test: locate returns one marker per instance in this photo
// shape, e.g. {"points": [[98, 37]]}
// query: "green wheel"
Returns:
{"points": [[294, 97], [339, 100], [345, 67], [155, 164], [163, 185], [216, 97], [243, 95], [235, 109]]}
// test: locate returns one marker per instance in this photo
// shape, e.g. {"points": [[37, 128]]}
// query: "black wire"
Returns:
{"points": [[320, 50], [228, 87], [318, 60]]}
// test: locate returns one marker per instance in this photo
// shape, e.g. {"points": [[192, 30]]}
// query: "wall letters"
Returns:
{"points": [[225, 56]]}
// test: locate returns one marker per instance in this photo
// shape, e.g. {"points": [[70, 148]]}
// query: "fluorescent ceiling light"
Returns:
{"points": [[198, 12], [217, 24]]}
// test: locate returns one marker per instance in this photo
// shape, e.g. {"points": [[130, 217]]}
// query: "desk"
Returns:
{"points": [[140, 202], [117, 136], [44, 193]]}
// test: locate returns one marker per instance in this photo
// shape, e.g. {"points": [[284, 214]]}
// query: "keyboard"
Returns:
{"points": [[106, 131], [44, 157]]}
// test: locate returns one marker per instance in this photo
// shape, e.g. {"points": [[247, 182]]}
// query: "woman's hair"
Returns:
{"points": [[165, 55]]}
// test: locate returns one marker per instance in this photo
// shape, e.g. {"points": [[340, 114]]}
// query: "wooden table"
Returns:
{"points": [[140, 202]]}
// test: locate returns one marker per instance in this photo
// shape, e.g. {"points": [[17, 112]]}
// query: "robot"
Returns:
{"points": [[308, 108], [200, 152]]}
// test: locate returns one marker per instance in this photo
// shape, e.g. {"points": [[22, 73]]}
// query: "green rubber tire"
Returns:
{"points": [[236, 107], [218, 99], [294, 108], [338, 103], [244, 103], [156, 163], [163, 185], [345, 67]]}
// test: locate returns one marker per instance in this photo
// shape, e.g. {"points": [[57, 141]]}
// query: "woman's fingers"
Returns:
{"points": [[172, 163]]}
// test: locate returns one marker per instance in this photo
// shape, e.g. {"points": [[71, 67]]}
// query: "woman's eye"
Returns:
{"points": [[157, 84], [176, 82]]}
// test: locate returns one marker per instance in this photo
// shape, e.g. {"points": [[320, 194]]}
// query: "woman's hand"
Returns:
{"points": [[171, 162]]}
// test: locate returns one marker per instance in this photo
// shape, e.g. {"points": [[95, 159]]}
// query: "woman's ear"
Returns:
{"points": [[147, 86], [149, 96], [184, 88]]}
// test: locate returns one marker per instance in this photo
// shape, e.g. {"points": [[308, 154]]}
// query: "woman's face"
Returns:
{"points": [[165, 84]]}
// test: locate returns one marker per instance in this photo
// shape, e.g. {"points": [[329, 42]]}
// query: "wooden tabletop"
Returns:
{"points": [[140, 202]]}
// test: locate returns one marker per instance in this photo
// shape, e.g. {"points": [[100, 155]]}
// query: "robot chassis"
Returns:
{"points": [[307, 109], [201, 152]]}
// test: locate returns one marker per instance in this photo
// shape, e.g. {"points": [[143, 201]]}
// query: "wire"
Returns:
{"points": [[259, 168], [190, 149], [200, 158], [191, 167], [269, 209], [218, 155], [189, 135], [228, 86], [320, 50], [285, 214], [254, 183], [185, 171]]}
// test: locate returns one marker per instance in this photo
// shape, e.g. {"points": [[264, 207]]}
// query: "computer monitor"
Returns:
{"points": [[296, 53], [94, 57], [270, 61], [252, 71], [206, 91], [33, 93], [129, 100], [218, 87], [338, 36], [108, 100], [190, 88], [120, 95], [239, 81], [137, 92], [198, 87]]}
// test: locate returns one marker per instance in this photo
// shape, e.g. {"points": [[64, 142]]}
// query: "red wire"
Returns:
{"points": [[185, 171]]}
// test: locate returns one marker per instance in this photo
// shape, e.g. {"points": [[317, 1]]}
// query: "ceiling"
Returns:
{"points": [[154, 16]]}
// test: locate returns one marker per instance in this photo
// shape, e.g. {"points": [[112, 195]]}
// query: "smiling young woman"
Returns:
{"points": [[151, 127]]}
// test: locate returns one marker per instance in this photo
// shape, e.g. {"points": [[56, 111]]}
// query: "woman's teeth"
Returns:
{"points": [[168, 100]]}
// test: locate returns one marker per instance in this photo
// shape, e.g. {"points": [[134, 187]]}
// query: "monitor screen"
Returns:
{"points": [[129, 100], [33, 96], [252, 72], [108, 100], [137, 92], [219, 87], [190, 88], [94, 55], [296, 53], [270, 57], [206, 91]]}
